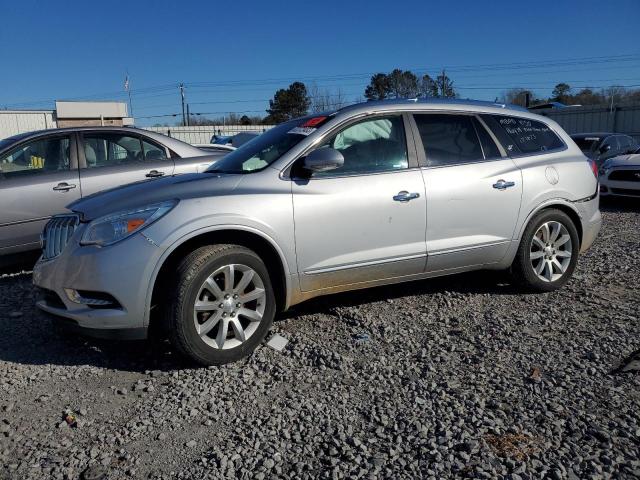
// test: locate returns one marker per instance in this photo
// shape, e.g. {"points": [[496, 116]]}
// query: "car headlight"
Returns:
{"points": [[115, 227]]}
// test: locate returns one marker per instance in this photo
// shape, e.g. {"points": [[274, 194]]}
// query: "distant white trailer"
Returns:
{"points": [[13, 122]]}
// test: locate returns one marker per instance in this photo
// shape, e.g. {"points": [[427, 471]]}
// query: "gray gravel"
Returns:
{"points": [[457, 377]]}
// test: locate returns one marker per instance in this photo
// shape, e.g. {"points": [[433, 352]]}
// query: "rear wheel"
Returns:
{"points": [[548, 251], [222, 305]]}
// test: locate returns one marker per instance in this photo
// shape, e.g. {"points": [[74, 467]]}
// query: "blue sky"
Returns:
{"points": [[233, 55]]}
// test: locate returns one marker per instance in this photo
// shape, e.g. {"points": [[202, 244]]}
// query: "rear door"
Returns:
{"points": [[38, 178], [473, 191], [112, 158]]}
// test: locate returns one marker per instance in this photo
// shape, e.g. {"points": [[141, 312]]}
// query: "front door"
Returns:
{"points": [[111, 159], [38, 179], [473, 192], [366, 220]]}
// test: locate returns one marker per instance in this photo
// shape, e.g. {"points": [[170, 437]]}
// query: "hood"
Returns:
{"points": [[147, 192], [623, 160]]}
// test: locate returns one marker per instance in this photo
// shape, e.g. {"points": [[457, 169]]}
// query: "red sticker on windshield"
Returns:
{"points": [[312, 122]]}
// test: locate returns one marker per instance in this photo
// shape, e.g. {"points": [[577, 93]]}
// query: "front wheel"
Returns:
{"points": [[222, 305], [548, 251]]}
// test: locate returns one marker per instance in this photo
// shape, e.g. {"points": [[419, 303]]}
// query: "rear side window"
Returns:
{"points": [[449, 139], [523, 135]]}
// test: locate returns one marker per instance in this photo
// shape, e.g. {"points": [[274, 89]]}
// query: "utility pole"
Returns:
{"points": [[188, 116], [184, 118]]}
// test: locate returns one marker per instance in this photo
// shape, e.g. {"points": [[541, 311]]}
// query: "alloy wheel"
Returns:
{"points": [[229, 307], [551, 250]]}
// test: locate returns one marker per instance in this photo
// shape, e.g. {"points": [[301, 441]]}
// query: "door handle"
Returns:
{"points": [[64, 186], [405, 196], [154, 173], [503, 184]]}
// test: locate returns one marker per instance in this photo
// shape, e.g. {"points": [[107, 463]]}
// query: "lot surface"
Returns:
{"points": [[458, 377]]}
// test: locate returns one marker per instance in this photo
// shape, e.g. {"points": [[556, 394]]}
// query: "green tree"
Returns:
{"points": [[379, 87], [244, 120], [288, 103], [561, 93], [403, 84], [428, 87], [445, 86]]}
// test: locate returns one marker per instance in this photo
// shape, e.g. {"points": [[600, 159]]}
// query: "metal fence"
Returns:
{"points": [[600, 118], [203, 134]]}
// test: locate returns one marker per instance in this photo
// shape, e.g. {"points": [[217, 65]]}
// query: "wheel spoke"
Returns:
{"points": [[558, 265], [244, 281], [561, 241], [213, 287], [563, 254], [229, 273], [548, 271], [254, 294], [237, 329], [210, 323], [540, 267], [538, 242], [222, 333], [250, 314], [545, 233], [205, 306], [536, 255], [556, 227]]}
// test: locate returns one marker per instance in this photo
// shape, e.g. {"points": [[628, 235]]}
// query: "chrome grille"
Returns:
{"points": [[57, 233]]}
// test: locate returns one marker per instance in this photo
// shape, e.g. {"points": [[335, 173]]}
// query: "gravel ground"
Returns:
{"points": [[457, 377]]}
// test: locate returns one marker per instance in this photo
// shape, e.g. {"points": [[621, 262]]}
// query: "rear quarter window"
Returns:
{"points": [[523, 136]]}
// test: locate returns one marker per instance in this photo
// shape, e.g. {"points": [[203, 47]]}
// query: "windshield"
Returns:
{"points": [[263, 150]]}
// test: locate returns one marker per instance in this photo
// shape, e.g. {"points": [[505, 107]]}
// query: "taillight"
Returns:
{"points": [[594, 167]]}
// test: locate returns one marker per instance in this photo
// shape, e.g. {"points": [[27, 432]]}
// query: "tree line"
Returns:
{"points": [[298, 99]]}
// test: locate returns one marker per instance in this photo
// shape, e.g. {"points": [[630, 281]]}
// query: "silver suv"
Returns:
{"points": [[373, 194]]}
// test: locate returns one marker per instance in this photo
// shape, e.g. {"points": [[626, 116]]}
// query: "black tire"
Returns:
{"points": [[191, 273], [521, 268]]}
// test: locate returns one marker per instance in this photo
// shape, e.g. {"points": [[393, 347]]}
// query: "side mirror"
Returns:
{"points": [[605, 148], [323, 160]]}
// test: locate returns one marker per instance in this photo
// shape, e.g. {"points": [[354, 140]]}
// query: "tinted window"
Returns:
{"points": [[38, 156], [111, 149], [489, 147], [587, 144], [376, 145], [449, 139], [524, 135], [153, 152]]}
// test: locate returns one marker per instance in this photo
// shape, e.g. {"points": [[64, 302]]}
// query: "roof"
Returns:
{"points": [[434, 104]]}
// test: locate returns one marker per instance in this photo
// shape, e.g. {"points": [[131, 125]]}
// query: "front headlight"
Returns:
{"points": [[112, 228]]}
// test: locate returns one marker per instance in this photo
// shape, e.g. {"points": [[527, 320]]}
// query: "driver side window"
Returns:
{"points": [[370, 146]]}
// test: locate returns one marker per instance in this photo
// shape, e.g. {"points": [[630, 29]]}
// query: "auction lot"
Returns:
{"points": [[464, 376]]}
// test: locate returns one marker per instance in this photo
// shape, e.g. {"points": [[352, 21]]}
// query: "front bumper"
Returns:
{"points": [[619, 188], [122, 271]]}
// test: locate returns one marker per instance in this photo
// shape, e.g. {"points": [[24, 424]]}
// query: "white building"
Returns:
{"points": [[66, 114]]}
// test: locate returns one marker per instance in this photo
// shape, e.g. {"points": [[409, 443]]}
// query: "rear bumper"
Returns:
{"points": [[591, 221]]}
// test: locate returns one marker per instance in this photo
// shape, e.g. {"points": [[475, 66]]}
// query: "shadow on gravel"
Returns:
{"points": [[620, 204], [30, 337]]}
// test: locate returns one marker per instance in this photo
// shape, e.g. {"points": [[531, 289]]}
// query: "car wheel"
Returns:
{"points": [[222, 305], [548, 252]]}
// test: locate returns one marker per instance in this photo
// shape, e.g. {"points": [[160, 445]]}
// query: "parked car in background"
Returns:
{"points": [[620, 176], [214, 148], [41, 172], [372, 194], [602, 146], [234, 141]]}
